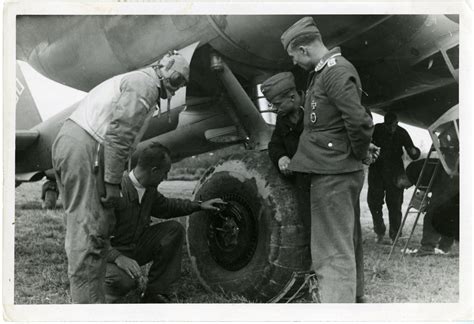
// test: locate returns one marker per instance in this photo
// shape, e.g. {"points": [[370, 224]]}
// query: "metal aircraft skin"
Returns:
{"points": [[407, 63]]}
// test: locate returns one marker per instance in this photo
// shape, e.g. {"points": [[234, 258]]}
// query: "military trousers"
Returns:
{"points": [[303, 192], [162, 244], [431, 238], [382, 185], [88, 223], [336, 241]]}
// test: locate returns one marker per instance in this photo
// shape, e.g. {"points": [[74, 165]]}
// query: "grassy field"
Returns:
{"points": [[40, 261]]}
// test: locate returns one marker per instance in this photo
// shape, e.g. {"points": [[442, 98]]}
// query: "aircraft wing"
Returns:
{"points": [[82, 51], [25, 138], [407, 63]]}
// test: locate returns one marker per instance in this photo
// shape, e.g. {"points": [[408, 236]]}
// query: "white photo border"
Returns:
{"points": [[462, 310]]}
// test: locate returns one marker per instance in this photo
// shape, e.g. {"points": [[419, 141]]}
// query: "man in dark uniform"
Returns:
{"points": [[385, 172], [336, 138], [441, 221], [135, 242], [443, 204], [280, 91]]}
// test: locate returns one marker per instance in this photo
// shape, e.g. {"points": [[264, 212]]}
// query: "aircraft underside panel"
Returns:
{"points": [[408, 70]]}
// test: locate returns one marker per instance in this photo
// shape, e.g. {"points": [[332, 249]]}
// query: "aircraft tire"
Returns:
{"points": [[255, 244]]}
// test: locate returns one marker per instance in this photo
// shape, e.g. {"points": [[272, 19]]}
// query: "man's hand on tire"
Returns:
{"points": [[213, 204]]}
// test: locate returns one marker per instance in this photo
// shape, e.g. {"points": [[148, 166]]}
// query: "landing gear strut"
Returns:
{"points": [[49, 194]]}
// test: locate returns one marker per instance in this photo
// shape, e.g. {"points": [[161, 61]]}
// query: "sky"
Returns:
{"points": [[51, 97]]}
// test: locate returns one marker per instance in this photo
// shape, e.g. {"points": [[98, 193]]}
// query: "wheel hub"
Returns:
{"points": [[233, 233]]}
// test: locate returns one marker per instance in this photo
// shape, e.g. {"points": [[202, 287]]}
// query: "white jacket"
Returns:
{"points": [[116, 114]]}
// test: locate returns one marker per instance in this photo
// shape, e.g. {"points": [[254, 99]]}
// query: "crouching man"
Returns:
{"points": [[135, 242]]}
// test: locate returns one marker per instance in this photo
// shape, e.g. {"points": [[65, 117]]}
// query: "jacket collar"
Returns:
{"points": [[150, 71], [128, 189], [135, 181], [336, 51], [286, 121]]}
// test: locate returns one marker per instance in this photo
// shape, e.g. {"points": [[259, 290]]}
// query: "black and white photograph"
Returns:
{"points": [[202, 154]]}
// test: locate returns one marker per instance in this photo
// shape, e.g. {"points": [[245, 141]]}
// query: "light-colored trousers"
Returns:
{"points": [[88, 224]]}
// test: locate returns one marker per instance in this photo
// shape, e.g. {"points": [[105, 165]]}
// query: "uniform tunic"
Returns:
{"points": [[336, 137], [338, 140], [285, 138], [113, 114], [284, 142], [116, 115]]}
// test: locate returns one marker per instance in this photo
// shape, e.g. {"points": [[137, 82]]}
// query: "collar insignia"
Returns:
{"points": [[330, 61]]}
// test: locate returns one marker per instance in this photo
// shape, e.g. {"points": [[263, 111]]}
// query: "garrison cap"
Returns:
{"points": [[277, 84], [303, 26]]}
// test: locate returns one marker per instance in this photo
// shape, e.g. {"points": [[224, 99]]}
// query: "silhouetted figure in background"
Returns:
{"points": [[384, 172]]}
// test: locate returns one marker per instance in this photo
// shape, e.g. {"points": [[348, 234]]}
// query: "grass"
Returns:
{"points": [[41, 275], [40, 260]]}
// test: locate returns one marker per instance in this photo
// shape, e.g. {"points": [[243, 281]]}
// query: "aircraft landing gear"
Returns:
{"points": [[254, 246], [49, 194]]}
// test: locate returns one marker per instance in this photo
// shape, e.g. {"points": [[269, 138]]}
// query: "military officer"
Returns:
{"points": [[280, 91], [336, 137]]}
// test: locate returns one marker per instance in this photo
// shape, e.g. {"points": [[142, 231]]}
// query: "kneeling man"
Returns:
{"points": [[135, 242]]}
